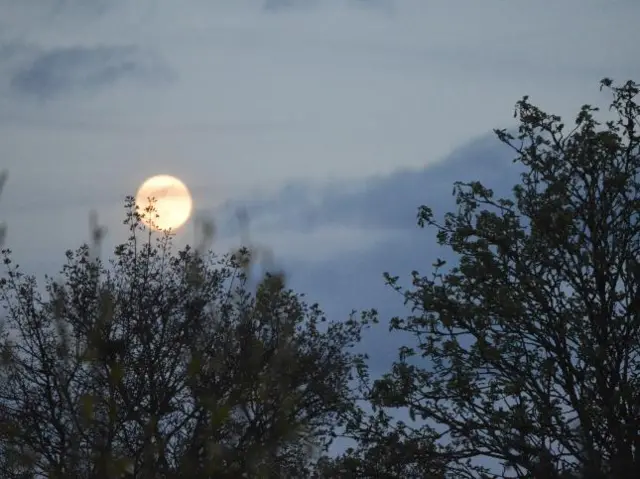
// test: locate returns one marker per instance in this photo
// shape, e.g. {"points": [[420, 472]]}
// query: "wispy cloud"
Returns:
{"points": [[82, 69], [278, 6], [382, 202]]}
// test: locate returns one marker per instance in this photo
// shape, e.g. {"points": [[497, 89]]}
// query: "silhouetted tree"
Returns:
{"points": [[166, 365], [385, 454], [528, 349]]}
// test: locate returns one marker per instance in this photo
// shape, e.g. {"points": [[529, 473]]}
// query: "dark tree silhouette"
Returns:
{"points": [[384, 453], [166, 365], [527, 350]]}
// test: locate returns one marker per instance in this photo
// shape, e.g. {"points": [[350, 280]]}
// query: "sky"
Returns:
{"points": [[298, 108], [330, 121]]}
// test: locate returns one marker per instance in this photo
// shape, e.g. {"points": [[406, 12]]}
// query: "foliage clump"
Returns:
{"points": [[163, 364], [527, 348]]}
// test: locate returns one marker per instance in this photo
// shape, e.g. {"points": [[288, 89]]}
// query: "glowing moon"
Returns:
{"points": [[173, 203]]}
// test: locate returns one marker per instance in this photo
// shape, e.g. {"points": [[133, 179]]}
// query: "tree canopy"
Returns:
{"points": [[164, 364], [527, 348]]}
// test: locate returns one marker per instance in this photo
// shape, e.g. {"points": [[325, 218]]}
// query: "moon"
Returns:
{"points": [[173, 203]]}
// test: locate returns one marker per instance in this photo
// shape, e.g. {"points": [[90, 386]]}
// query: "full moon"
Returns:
{"points": [[173, 203]]}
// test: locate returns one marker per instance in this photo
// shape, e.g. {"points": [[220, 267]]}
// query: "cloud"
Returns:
{"points": [[278, 6], [381, 202], [81, 69], [335, 240]]}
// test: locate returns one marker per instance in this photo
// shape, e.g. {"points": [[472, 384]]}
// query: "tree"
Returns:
{"points": [[161, 364], [385, 453], [528, 348]]}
